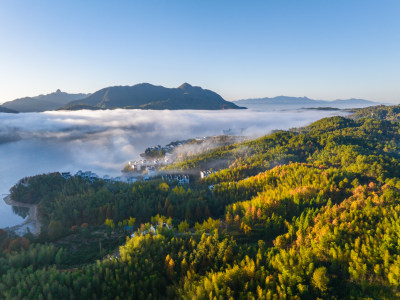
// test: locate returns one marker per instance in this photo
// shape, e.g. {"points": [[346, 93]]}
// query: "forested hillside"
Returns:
{"points": [[381, 112], [302, 214]]}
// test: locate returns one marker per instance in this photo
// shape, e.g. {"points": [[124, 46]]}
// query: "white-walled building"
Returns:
{"points": [[204, 174], [181, 179]]}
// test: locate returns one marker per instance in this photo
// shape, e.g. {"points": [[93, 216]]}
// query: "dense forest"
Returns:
{"points": [[381, 112], [302, 214]]}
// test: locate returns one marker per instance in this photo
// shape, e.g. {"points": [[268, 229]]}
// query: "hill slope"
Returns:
{"points": [[147, 96], [7, 110], [311, 213], [300, 102], [42, 102], [381, 112]]}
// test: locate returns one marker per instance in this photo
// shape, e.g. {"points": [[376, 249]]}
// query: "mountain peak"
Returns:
{"points": [[58, 91], [184, 86], [147, 96]]}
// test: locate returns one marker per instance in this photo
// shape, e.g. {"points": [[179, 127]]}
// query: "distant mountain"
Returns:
{"points": [[42, 102], [302, 102], [7, 110], [147, 96]]}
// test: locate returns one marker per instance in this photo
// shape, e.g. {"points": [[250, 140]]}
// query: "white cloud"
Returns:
{"points": [[106, 140]]}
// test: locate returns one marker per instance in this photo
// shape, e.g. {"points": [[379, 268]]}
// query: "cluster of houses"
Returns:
{"points": [[168, 148], [181, 179], [90, 176], [148, 165], [107, 178]]}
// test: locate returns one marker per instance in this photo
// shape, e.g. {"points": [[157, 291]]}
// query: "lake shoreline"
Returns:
{"points": [[32, 221]]}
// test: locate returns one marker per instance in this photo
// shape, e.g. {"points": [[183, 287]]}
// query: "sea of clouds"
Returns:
{"points": [[106, 140]]}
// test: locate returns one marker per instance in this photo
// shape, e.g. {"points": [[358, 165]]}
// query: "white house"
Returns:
{"points": [[204, 174]]}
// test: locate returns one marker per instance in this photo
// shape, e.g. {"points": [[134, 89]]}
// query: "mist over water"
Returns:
{"points": [[104, 141]]}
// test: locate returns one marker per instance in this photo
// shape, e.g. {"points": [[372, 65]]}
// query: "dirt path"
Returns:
{"points": [[33, 217]]}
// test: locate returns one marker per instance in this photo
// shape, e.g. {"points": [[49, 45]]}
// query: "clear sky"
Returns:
{"points": [[240, 49]]}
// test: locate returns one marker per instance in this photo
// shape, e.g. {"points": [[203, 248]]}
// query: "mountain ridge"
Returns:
{"points": [[148, 96], [7, 110], [42, 102], [300, 102], [139, 96]]}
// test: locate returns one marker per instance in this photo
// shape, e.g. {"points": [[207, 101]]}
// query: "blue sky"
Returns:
{"points": [[240, 49]]}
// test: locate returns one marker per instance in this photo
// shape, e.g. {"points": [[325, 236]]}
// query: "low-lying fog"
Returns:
{"points": [[104, 141]]}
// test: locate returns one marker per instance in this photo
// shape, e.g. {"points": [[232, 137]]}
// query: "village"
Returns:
{"points": [[180, 179], [153, 159], [147, 166]]}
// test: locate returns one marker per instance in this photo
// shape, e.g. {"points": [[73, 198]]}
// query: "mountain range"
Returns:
{"points": [[140, 96], [42, 102], [286, 102], [148, 96]]}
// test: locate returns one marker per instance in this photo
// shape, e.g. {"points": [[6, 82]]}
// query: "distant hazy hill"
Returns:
{"points": [[43, 102], [7, 110], [300, 102], [147, 96]]}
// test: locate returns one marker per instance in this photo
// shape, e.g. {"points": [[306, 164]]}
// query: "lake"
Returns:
{"points": [[104, 141]]}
